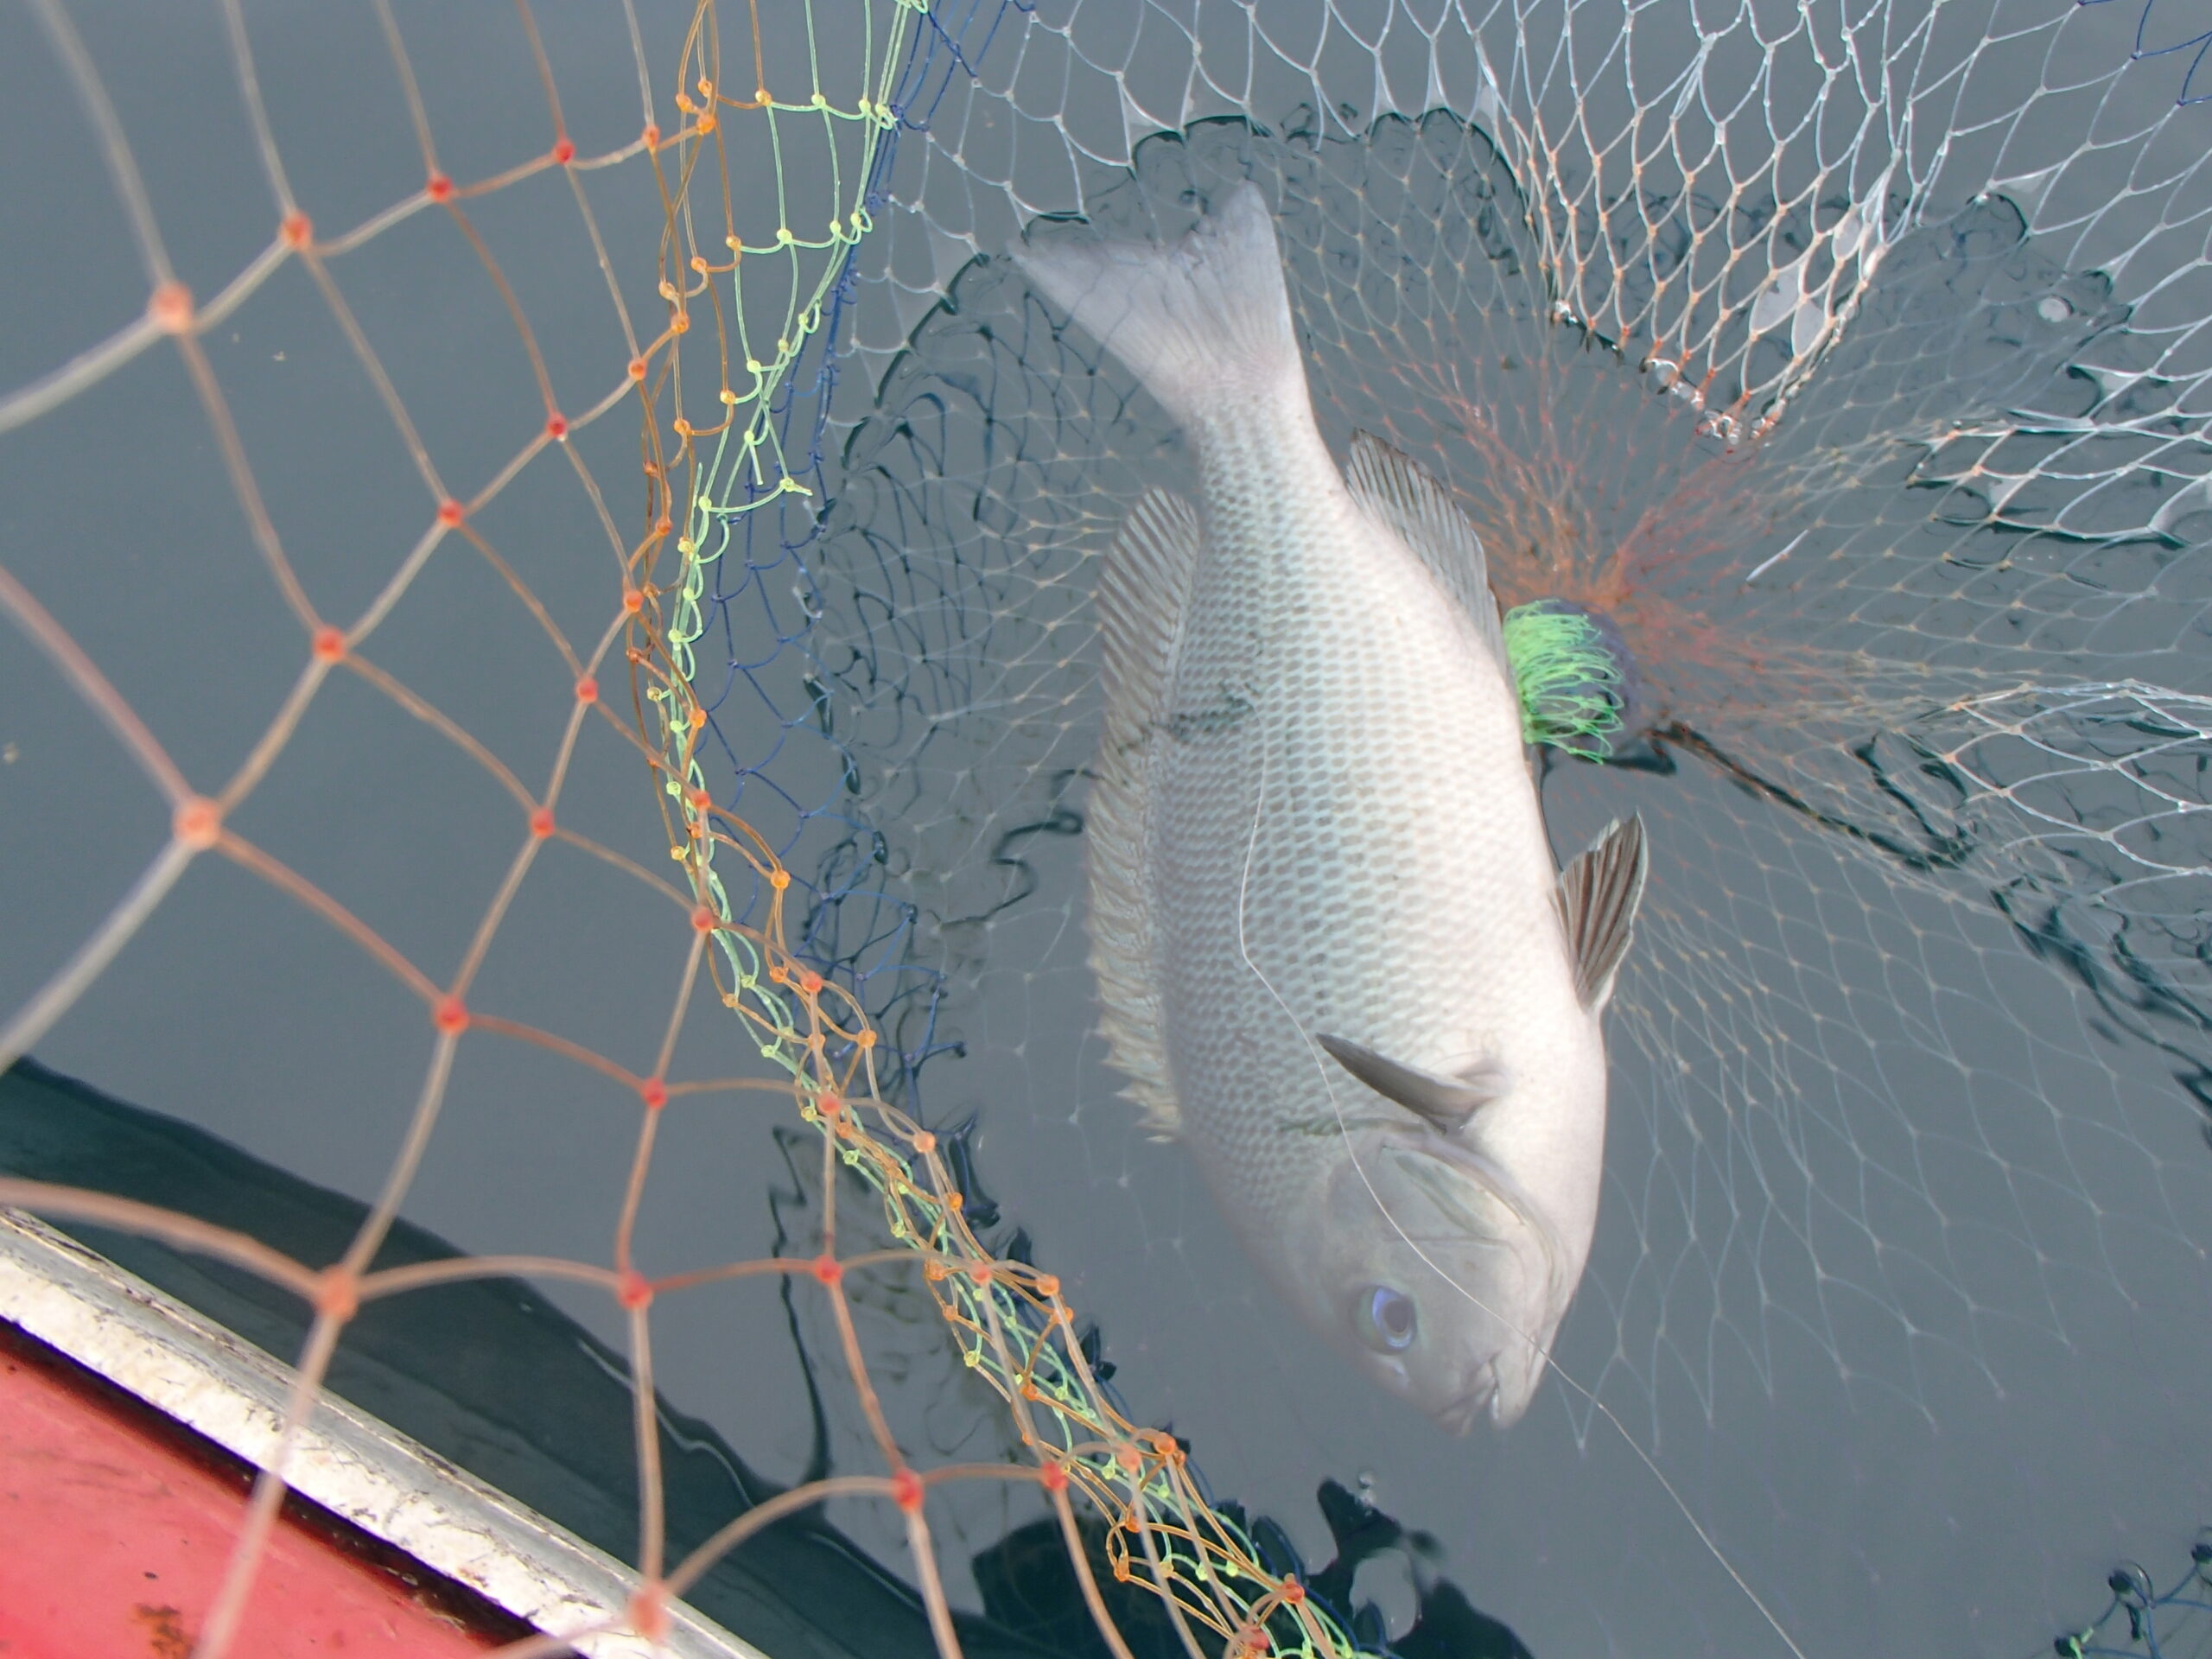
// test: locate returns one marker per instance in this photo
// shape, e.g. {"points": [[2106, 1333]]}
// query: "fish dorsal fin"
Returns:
{"points": [[1598, 893], [1141, 592], [1393, 489], [1445, 1103]]}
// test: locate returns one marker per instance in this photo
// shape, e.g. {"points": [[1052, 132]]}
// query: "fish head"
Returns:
{"points": [[1439, 1277]]}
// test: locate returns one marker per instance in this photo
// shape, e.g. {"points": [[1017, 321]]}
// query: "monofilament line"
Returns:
{"points": [[1243, 950]]}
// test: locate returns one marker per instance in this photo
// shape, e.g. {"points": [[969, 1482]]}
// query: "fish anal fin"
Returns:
{"points": [[1395, 491], [1447, 1104], [1140, 595], [1599, 894]]}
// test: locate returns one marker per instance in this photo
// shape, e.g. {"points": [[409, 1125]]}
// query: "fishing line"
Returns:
{"points": [[1328, 1084]]}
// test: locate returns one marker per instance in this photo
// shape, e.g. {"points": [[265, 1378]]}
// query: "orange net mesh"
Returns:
{"points": [[696, 365]]}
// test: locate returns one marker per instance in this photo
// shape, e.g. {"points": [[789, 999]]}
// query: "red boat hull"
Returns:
{"points": [[117, 1524]]}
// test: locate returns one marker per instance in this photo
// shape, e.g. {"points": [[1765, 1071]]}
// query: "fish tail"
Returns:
{"points": [[1200, 322]]}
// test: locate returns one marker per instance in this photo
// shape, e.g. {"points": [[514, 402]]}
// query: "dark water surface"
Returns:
{"points": [[1901, 1280]]}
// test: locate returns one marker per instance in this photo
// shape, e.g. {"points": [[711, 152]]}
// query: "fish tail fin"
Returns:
{"points": [[1199, 323]]}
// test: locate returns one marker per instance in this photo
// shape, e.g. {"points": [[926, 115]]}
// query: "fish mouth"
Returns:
{"points": [[1462, 1414]]}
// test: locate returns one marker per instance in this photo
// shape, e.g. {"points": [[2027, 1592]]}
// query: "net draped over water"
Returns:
{"points": [[590, 545]]}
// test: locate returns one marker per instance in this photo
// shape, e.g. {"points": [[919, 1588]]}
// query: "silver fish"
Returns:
{"points": [[1335, 956]]}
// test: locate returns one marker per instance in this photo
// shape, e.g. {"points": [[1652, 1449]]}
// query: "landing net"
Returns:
{"points": [[601, 588]]}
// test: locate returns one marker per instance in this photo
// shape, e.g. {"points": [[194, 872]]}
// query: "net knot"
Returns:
{"points": [[649, 1611], [170, 308], [198, 824], [338, 1293]]}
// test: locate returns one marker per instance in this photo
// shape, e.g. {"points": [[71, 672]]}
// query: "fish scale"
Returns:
{"points": [[1324, 915], [1387, 855]]}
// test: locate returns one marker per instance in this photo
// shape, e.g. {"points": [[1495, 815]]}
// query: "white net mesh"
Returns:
{"points": [[1851, 358]]}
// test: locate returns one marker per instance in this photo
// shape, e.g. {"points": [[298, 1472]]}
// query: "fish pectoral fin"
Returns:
{"points": [[1445, 1103], [1395, 490], [1599, 894]]}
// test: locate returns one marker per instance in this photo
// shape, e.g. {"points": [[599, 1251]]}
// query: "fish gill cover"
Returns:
{"points": [[402, 783]]}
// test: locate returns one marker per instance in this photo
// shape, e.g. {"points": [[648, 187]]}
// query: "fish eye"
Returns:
{"points": [[1387, 1321]]}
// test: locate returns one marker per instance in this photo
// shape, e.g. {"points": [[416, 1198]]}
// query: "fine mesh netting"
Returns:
{"points": [[555, 685]]}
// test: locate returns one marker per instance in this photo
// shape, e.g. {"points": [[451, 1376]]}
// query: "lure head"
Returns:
{"points": [[1578, 684]]}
